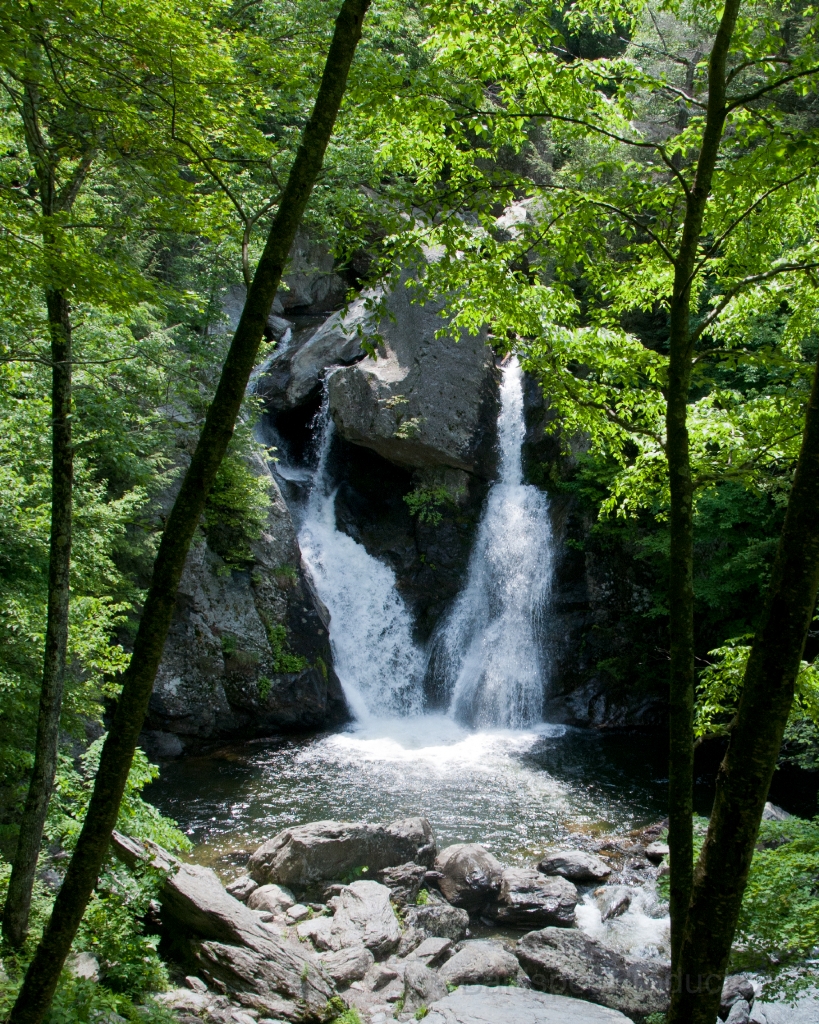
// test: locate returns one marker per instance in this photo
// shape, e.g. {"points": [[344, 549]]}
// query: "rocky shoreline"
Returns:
{"points": [[334, 917]]}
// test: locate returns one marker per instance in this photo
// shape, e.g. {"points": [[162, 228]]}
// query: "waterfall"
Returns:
{"points": [[489, 649], [376, 659]]}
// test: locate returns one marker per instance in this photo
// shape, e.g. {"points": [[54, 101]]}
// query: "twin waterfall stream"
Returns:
{"points": [[489, 648], [486, 769]]}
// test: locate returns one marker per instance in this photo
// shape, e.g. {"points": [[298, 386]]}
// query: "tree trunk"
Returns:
{"points": [[18, 899], [43, 973], [745, 774], [681, 520]]}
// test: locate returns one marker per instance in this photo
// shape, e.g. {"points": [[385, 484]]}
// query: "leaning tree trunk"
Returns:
{"points": [[756, 737], [24, 866], [681, 520], [43, 973]]}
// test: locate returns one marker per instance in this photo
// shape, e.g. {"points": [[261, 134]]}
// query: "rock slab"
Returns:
{"points": [[477, 1004], [570, 963]]}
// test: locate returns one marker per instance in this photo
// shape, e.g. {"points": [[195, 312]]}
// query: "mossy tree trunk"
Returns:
{"points": [[756, 737], [681, 589]]}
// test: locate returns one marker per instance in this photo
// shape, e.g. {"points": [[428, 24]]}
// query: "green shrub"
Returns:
{"points": [[283, 658], [263, 684], [422, 898], [428, 503]]}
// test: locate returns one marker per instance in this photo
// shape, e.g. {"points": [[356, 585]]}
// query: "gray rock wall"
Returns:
{"points": [[220, 674], [424, 401]]}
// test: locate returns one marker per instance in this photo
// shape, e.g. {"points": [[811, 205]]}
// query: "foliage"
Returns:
{"points": [[428, 503], [779, 922], [283, 658], [721, 684], [113, 929], [422, 898]]}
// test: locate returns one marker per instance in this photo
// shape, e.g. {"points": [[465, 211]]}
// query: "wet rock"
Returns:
{"points": [[272, 898], [480, 962], [576, 865], [437, 919], [275, 977], [735, 988], [432, 952], [421, 987], [362, 915], [327, 850], [404, 882], [478, 1004], [348, 964], [470, 876], [241, 888], [569, 962], [528, 899], [613, 901], [656, 851], [425, 401]]}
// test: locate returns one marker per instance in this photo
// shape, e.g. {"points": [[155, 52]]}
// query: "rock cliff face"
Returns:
{"points": [[424, 402], [248, 652], [597, 589]]}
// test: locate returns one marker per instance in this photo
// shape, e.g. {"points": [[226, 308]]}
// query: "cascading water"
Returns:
{"points": [[489, 649], [376, 659]]}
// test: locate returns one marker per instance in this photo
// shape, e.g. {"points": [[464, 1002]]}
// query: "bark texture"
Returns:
{"points": [[24, 866], [746, 772], [681, 520], [43, 973]]}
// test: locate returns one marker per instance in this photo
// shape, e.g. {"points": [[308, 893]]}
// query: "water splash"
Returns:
{"points": [[375, 656], [489, 649]]}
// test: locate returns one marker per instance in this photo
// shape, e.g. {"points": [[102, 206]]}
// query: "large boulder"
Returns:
{"points": [[570, 963], [528, 899], [576, 865], [477, 1004], [329, 850], [235, 952], [220, 671], [480, 962], [470, 876], [362, 916], [424, 401]]}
